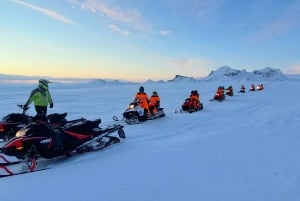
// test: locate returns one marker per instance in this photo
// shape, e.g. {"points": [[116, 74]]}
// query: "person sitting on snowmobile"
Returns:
{"points": [[252, 87], [154, 103], [142, 99], [195, 98], [242, 89], [192, 103], [41, 98], [260, 87], [229, 91], [220, 94]]}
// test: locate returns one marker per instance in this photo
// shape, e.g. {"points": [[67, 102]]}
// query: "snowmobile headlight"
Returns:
{"points": [[131, 106], [21, 132]]}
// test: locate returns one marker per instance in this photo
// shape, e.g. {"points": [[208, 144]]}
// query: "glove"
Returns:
{"points": [[51, 105], [25, 107]]}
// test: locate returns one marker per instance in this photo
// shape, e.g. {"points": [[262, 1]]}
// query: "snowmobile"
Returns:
{"points": [[252, 87], [260, 87], [135, 114], [229, 91], [219, 95], [12, 122], [190, 106], [40, 139]]}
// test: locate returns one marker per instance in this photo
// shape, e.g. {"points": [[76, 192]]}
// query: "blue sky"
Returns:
{"points": [[143, 39]]}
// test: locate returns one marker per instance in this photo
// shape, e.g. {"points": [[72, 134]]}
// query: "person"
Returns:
{"points": [[154, 103], [142, 99], [41, 97], [242, 89], [260, 87], [219, 95], [229, 91], [252, 87], [195, 98], [192, 103]]}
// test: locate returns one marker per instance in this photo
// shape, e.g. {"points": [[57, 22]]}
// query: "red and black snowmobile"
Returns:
{"points": [[190, 105], [42, 140], [219, 95], [11, 123]]}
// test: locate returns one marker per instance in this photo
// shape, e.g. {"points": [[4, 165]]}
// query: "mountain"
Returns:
{"points": [[181, 78], [226, 73]]}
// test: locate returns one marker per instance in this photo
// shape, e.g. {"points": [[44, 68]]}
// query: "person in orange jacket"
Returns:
{"points": [[154, 103], [220, 94], [195, 98], [142, 99]]}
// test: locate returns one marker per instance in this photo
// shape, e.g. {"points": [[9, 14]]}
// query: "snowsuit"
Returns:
{"points": [[219, 94], [154, 104], [229, 91], [195, 102], [142, 99], [41, 97]]}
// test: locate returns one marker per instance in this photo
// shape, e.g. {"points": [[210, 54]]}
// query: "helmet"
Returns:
{"points": [[154, 93], [44, 83], [141, 89]]}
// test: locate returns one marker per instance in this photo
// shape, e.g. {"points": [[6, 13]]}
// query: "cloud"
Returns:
{"points": [[285, 23], [125, 21], [119, 30], [46, 12], [164, 32], [129, 17]]}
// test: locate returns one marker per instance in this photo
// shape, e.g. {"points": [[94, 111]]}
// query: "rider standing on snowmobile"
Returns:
{"points": [[142, 98], [154, 103], [41, 97]]}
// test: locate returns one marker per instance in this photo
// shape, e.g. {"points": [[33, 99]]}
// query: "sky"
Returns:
{"points": [[140, 40], [244, 148]]}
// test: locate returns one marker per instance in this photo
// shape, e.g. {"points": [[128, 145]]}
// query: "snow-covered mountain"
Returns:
{"points": [[181, 78], [226, 73]]}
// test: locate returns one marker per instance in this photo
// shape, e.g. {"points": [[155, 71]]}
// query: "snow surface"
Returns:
{"points": [[243, 149]]}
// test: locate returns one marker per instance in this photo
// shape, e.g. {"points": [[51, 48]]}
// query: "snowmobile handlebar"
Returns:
{"points": [[23, 107]]}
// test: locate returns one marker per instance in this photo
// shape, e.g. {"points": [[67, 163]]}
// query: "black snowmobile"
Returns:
{"points": [[40, 139], [11, 123], [135, 114]]}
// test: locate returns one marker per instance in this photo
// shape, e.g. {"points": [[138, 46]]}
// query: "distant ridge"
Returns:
{"points": [[181, 78], [226, 73]]}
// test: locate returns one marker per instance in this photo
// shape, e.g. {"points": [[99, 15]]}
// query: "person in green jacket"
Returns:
{"points": [[41, 97]]}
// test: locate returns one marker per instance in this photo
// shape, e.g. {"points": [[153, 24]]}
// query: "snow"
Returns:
{"points": [[244, 148]]}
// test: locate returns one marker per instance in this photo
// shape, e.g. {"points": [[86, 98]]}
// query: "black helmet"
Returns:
{"points": [[141, 89]]}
